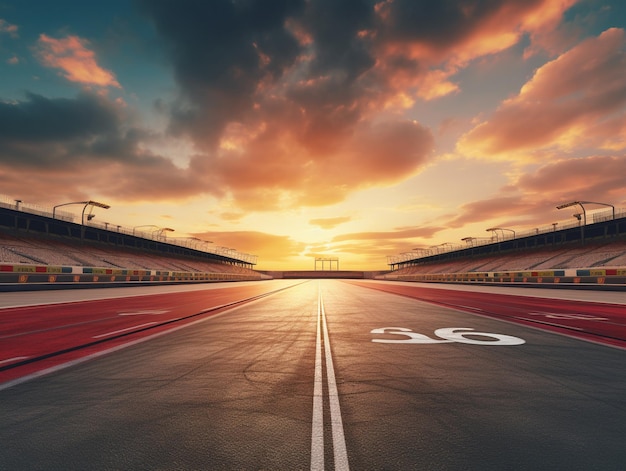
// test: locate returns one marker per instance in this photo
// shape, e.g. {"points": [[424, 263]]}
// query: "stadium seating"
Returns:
{"points": [[605, 255], [27, 249]]}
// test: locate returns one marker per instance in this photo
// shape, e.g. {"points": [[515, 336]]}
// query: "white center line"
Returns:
{"points": [[317, 431], [123, 330], [317, 440], [339, 441]]}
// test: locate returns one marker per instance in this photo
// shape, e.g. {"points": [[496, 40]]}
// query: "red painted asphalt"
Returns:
{"points": [[597, 322], [35, 338]]}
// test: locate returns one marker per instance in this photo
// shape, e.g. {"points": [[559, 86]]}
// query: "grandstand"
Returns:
{"points": [[29, 249], [591, 255], [594, 252], [34, 240]]}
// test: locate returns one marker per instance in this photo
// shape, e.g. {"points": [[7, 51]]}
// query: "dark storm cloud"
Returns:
{"points": [[277, 94], [444, 23], [226, 53], [335, 27], [310, 75], [219, 51], [39, 119], [58, 132], [66, 144]]}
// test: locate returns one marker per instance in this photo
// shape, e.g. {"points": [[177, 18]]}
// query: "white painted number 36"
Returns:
{"points": [[447, 335]]}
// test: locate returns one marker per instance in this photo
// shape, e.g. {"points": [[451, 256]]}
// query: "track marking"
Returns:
{"points": [[340, 453], [339, 441], [553, 324], [577, 317], [123, 330], [11, 360], [317, 431], [450, 334], [144, 312], [472, 308]]}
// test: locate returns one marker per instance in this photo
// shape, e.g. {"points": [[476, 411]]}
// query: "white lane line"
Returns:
{"points": [[339, 441], [472, 308], [144, 312], [554, 324], [317, 429], [11, 360], [340, 453], [123, 330]]}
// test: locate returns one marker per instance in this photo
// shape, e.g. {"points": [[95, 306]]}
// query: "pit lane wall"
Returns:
{"points": [[38, 276], [579, 276]]}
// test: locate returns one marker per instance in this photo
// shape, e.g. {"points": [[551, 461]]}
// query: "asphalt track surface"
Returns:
{"points": [[286, 375]]}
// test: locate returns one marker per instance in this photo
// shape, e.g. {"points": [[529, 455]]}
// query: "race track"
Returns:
{"points": [[286, 375]]}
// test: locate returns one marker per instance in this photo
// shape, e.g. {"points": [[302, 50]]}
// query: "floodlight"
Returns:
{"points": [[567, 205]]}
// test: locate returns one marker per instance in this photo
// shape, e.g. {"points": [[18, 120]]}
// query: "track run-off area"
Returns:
{"points": [[313, 374]]}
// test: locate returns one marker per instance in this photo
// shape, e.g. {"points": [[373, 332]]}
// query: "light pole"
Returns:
{"points": [[469, 240], [501, 229], [581, 204], [577, 216], [161, 230], [86, 203], [493, 229]]}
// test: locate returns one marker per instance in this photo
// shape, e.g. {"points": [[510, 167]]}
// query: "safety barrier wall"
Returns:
{"points": [[604, 276], [30, 275]]}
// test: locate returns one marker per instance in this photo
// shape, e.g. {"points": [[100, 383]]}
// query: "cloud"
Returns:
{"points": [[575, 101], [277, 248], [289, 104], [596, 178], [8, 28], [76, 61], [497, 207], [223, 52], [329, 223], [421, 45], [74, 147], [274, 171], [532, 198], [39, 119], [297, 103], [399, 233]]}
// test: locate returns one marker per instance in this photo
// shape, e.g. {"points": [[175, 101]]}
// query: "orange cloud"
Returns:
{"points": [[329, 223], [76, 61], [266, 246], [399, 233], [597, 178], [416, 52], [281, 168], [531, 200], [577, 100]]}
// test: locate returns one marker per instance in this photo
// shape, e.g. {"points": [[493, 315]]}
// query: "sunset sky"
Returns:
{"points": [[292, 129]]}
